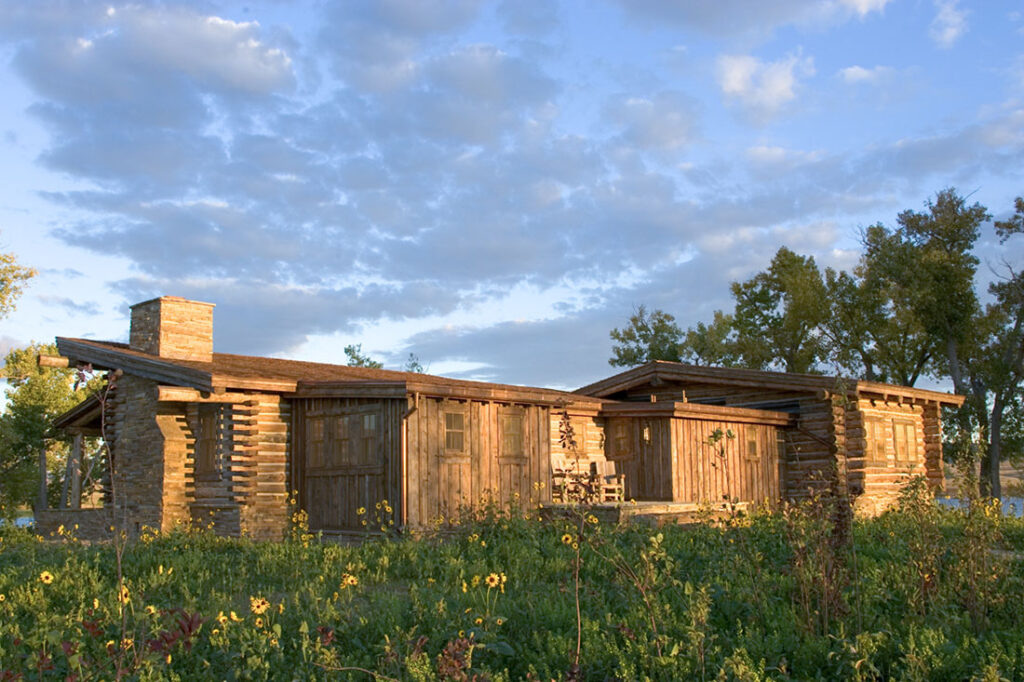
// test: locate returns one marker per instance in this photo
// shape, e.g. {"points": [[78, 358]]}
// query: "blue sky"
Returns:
{"points": [[492, 186]]}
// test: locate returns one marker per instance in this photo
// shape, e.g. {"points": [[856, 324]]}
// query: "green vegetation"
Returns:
{"points": [[909, 309], [919, 594]]}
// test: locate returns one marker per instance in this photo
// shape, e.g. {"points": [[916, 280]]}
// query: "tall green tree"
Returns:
{"points": [[779, 313], [712, 345], [871, 330], [35, 397], [648, 336], [928, 259]]}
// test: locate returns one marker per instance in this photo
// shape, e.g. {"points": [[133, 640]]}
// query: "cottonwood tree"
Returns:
{"points": [[37, 395], [648, 336], [778, 315]]}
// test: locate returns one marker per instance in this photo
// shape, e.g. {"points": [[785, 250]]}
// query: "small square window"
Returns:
{"points": [[512, 435], [455, 431]]}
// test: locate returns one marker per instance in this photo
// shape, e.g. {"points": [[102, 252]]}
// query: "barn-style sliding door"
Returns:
{"points": [[345, 463]]}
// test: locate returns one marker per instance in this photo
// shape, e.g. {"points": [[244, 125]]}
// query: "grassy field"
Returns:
{"points": [[917, 594]]}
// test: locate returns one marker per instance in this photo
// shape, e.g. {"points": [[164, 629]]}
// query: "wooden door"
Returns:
{"points": [[344, 467]]}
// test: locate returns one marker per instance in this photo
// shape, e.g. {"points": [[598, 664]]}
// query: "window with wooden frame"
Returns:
{"points": [[454, 431], [315, 441], [511, 425], [207, 443], [904, 440], [368, 437], [341, 449], [752, 451], [874, 441], [621, 437], [645, 432]]}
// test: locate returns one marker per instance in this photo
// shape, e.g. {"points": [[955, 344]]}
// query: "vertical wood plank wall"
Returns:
{"points": [[711, 473], [442, 481]]}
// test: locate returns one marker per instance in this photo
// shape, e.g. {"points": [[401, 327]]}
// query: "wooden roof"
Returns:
{"points": [[296, 378], [661, 371]]}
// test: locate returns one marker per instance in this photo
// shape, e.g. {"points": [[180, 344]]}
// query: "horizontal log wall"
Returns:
{"points": [[442, 481], [261, 453], [876, 480]]}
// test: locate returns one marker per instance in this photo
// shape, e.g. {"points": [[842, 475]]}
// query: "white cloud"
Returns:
{"points": [[858, 74], [864, 7], [221, 50], [949, 24], [664, 121], [762, 87]]}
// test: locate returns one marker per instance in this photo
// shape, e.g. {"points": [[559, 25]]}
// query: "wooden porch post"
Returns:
{"points": [[76, 471], [41, 502]]}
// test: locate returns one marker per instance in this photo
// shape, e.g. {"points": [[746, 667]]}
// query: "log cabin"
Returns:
{"points": [[238, 441]]}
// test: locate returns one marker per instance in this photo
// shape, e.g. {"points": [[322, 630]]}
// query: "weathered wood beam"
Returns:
{"points": [[53, 361], [182, 394], [145, 367]]}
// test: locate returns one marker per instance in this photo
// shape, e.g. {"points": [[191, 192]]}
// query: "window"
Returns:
{"points": [[904, 440], [369, 438], [752, 452], [315, 435], [206, 442], [874, 441], [455, 431], [512, 434], [620, 439], [341, 451]]}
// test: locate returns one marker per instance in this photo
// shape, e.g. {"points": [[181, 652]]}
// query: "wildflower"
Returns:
{"points": [[234, 617], [46, 577], [127, 643], [463, 587], [483, 543], [462, 634], [95, 603], [258, 605], [493, 581], [124, 596], [591, 519], [280, 607], [351, 580], [566, 539], [575, 545], [361, 511], [499, 621], [273, 641], [221, 618], [3, 597], [258, 623], [475, 581], [160, 569], [150, 610], [479, 620]]}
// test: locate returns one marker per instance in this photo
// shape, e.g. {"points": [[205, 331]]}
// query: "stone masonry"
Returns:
{"points": [[174, 328]]}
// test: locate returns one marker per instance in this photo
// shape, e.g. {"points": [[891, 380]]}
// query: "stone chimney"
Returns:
{"points": [[173, 328]]}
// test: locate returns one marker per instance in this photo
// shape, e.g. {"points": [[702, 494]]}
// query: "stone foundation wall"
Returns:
{"points": [[84, 524]]}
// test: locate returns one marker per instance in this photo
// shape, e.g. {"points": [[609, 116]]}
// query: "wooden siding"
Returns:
{"points": [[745, 467], [343, 463], [875, 475], [443, 480]]}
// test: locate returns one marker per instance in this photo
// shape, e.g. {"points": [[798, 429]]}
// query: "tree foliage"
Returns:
{"points": [[35, 397], [778, 315], [648, 336], [12, 281], [354, 353], [908, 310]]}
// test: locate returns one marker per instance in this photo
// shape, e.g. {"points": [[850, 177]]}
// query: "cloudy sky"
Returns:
{"points": [[492, 186]]}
